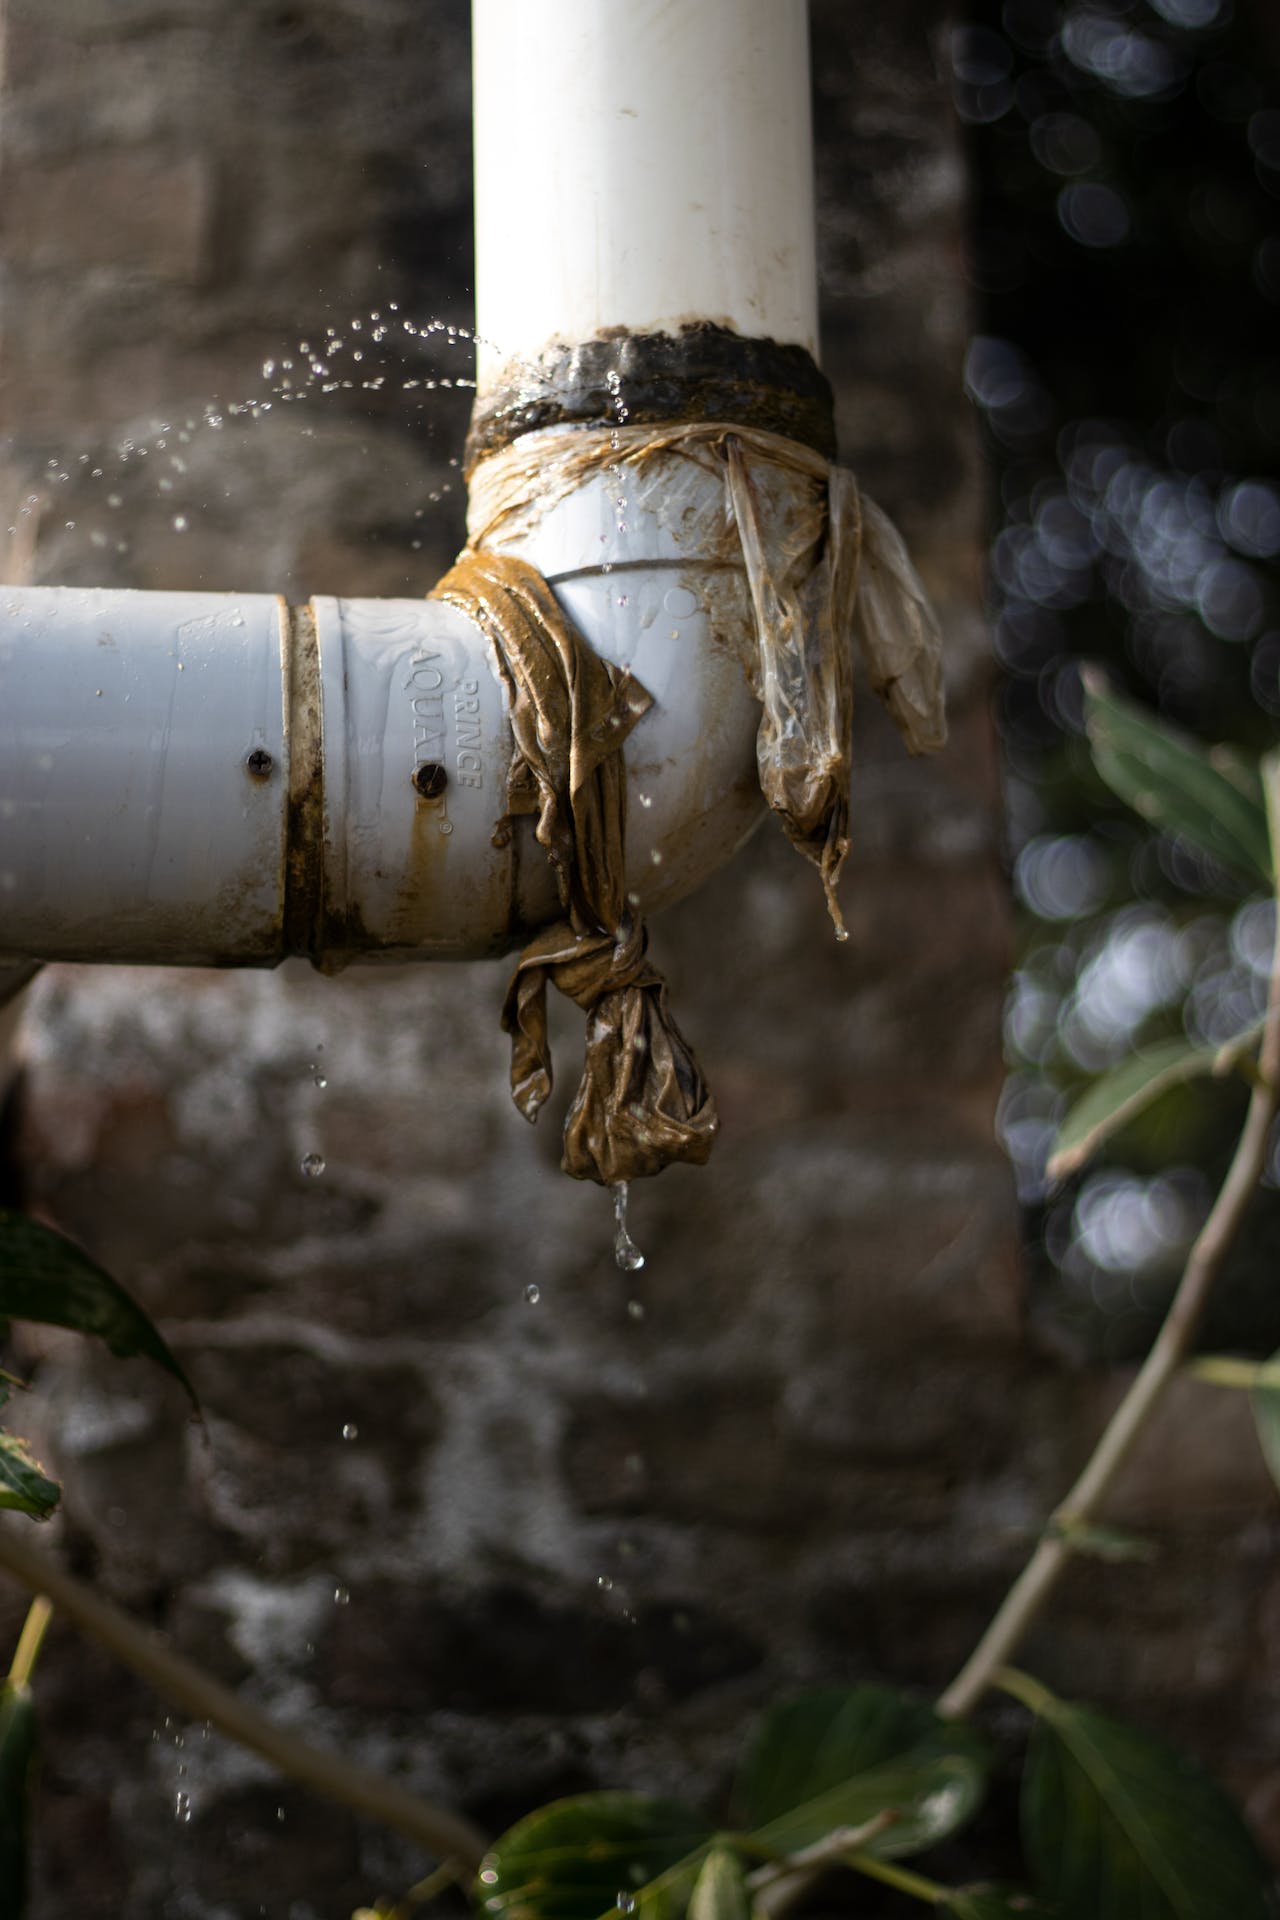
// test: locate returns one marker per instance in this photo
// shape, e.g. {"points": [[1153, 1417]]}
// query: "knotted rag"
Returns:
{"points": [[642, 1101]]}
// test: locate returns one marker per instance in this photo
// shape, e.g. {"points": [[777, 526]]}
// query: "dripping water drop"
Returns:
{"points": [[625, 1251]]}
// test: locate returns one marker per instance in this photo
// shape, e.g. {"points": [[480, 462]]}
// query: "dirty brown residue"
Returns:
{"points": [[304, 747], [702, 372], [642, 1101]]}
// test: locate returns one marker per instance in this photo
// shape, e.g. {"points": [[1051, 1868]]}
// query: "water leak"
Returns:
{"points": [[383, 349], [625, 1251]]}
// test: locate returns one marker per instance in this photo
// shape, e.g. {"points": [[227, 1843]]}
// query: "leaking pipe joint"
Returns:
{"points": [[223, 779], [218, 779]]}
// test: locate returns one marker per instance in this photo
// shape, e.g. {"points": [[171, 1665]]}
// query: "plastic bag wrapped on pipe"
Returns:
{"points": [[826, 567], [642, 1101]]}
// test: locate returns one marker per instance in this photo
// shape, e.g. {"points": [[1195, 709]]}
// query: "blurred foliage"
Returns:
{"points": [[1125, 257]]}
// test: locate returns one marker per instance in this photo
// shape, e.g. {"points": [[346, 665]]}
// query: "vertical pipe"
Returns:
{"points": [[641, 164]]}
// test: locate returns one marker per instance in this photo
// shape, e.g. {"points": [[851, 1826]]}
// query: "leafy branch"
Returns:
{"points": [[1169, 1350]]}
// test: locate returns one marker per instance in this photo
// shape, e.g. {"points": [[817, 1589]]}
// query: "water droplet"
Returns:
{"points": [[635, 1308], [625, 1251], [179, 522], [312, 1165], [182, 1807], [533, 1293], [645, 799], [604, 1582], [341, 1596], [656, 858], [626, 1903], [320, 1080], [350, 1431], [280, 1815]]}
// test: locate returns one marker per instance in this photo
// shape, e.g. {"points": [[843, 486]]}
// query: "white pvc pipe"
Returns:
{"points": [[151, 747], [640, 164], [129, 826]]}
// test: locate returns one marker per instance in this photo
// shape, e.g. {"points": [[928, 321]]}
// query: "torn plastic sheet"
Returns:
{"points": [[642, 1101], [825, 566]]}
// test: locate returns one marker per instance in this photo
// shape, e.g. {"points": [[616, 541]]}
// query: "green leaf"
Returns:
{"points": [[1265, 1401], [1116, 1825], [838, 1756], [994, 1903], [17, 1768], [720, 1892], [1211, 795], [44, 1276], [827, 1760], [1120, 1095], [24, 1486], [596, 1854]]}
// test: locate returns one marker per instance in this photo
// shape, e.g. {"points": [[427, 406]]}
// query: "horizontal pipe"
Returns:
{"points": [[219, 779]]}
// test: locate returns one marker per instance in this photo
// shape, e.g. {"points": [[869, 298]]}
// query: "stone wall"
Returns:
{"points": [[467, 1503]]}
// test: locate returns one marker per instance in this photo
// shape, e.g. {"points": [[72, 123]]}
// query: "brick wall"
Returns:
{"points": [[508, 1548]]}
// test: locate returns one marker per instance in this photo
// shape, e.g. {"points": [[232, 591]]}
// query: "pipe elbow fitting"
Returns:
{"points": [[419, 858]]}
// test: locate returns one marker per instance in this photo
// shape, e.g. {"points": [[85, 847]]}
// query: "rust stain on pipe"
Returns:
{"points": [[304, 746]]}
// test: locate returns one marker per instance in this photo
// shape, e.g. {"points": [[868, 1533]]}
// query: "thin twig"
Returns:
{"points": [[1204, 1263], [30, 1641], [776, 1887], [443, 1834]]}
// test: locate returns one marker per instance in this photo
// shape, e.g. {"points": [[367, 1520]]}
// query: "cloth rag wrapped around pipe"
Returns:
{"points": [[827, 571]]}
